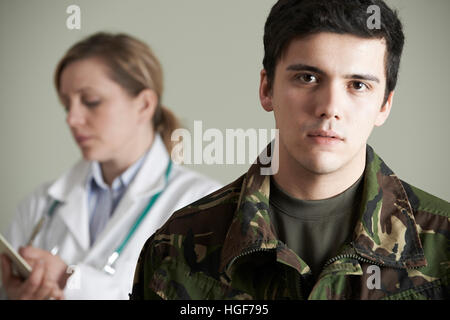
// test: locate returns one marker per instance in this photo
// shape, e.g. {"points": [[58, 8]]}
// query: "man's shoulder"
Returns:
{"points": [[209, 215], [424, 202]]}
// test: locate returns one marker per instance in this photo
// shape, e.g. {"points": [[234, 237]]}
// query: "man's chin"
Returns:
{"points": [[321, 166]]}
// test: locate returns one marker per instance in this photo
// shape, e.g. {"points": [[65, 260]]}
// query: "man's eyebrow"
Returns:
{"points": [[305, 67], [367, 77]]}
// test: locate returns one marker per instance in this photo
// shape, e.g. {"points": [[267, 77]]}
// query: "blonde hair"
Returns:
{"points": [[132, 65]]}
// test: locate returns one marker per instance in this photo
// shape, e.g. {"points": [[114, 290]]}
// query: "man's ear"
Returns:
{"points": [[265, 92], [147, 101], [383, 114]]}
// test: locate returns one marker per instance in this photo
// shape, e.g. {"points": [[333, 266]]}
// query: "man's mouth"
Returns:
{"points": [[325, 134], [325, 137]]}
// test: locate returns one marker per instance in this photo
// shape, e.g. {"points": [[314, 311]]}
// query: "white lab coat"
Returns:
{"points": [[69, 226]]}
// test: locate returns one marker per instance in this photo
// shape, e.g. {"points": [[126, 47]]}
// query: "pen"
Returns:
{"points": [[36, 230], [39, 225]]}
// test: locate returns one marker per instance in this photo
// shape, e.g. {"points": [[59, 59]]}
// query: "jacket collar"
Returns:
{"points": [[386, 231]]}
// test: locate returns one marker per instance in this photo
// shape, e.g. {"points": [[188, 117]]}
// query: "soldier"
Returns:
{"points": [[334, 222]]}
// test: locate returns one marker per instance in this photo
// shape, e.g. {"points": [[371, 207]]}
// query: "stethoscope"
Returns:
{"points": [[109, 266]]}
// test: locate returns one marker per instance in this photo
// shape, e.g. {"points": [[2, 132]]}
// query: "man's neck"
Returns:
{"points": [[304, 184]]}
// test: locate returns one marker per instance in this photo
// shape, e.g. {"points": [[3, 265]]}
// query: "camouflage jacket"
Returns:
{"points": [[225, 247]]}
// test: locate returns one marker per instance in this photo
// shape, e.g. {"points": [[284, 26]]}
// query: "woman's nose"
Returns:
{"points": [[75, 115]]}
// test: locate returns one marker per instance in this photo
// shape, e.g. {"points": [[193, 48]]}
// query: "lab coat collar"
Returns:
{"points": [[70, 189], [70, 182], [122, 181], [150, 178]]}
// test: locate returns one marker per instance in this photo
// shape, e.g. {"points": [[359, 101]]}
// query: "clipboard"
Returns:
{"points": [[19, 264]]}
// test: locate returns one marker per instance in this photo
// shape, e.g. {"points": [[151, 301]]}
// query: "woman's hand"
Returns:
{"points": [[46, 281]]}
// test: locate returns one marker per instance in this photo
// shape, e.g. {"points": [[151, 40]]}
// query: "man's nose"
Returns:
{"points": [[330, 102]]}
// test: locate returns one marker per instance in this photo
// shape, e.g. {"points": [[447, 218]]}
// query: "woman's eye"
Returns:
{"points": [[91, 104]]}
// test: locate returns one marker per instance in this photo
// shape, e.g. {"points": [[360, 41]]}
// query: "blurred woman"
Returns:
{"points": [[82, 233]]}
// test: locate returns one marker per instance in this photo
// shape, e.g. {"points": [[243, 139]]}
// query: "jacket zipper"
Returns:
{"points": [[298, 282], [358, 258], [351, 256], [299, 285], [251, 251]]}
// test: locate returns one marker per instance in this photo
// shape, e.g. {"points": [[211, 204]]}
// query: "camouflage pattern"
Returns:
{"points": [[225, 247]]}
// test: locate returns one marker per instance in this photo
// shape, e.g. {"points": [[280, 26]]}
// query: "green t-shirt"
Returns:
{"points": [[315, 229]]}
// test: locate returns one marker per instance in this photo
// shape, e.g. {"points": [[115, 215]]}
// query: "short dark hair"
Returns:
{"points": [[291, 19]]}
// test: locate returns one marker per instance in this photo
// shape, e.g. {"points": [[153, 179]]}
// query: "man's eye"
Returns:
{"points": [[359, 86], [306, 78]]}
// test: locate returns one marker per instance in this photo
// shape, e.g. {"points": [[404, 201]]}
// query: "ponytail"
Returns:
{"points": [[165, 122]]}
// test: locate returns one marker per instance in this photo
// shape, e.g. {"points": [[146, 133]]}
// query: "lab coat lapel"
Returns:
{"points": [[70, 190], [148, 181]]}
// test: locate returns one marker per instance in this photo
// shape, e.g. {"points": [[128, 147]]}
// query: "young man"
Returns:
{"points": [[334, 222]]}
